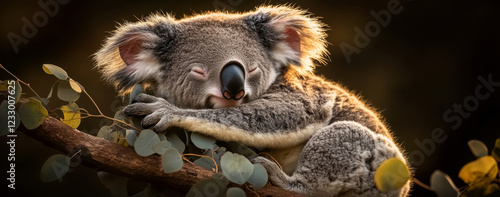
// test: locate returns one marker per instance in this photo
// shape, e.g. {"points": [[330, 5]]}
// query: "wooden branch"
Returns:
{"points": [[110, 157]]}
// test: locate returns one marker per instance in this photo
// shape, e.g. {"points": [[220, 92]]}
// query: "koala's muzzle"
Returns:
{"points": [[232, 79]]}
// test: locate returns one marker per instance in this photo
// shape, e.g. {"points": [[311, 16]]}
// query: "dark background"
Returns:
{"points": [[427, 58]]}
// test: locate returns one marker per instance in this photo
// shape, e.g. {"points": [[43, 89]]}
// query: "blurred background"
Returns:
{"points": [[414, 68]]}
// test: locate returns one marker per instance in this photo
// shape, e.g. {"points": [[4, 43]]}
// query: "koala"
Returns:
{"points": [[248, 77]]}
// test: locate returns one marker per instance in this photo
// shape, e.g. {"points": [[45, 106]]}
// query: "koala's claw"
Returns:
{"points": [[145, 98], [157, 111]]}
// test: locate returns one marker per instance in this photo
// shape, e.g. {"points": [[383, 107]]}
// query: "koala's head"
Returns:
{"points": [[212, 60]]}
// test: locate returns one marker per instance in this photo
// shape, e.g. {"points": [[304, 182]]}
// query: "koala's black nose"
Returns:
{"points": [[232, 79]]}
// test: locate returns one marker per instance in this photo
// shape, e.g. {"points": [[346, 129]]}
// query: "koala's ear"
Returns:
{"points": [[131, 54], [291, 35]]}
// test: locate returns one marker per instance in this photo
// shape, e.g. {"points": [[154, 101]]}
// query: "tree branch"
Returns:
{"points": [[103, 155]]}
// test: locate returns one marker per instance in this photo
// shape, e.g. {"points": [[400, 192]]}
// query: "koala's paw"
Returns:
{"points": [[157, 111], [271, 167]]}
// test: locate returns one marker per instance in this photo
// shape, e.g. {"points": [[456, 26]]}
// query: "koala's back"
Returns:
{"points": [[317, 93]]}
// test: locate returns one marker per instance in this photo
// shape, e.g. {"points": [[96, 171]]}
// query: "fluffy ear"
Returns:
{"points": [[291, 35], [132, 54]]}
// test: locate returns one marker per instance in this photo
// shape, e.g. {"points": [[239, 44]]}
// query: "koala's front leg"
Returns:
{"points": [[272, 122]]}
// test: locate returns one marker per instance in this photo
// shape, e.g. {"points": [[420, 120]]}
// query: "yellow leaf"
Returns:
{"points": [[71, 115], [75, 86], [3, 85], [496, 150], [391, 175], [479, 169], [123, 142]]}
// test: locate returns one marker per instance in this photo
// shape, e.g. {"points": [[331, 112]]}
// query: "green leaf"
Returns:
{"points": [[71, 114], [131, 136], [392, 174], [171, 160], [138, 89], [54, 168], [32, 113], [212, 187], [212, 154], [161, 146], [116, 136], [259, 176], [144, 143], [44, 101], [239, 148], [66, 93], [117, 185], [235, 192], [478, 148], [481, 169], [203, 141], [176, 142], [496, 150], [13, 89], [206, 163], [236, 167], [104, 132], [10, 121], [55, 70], [442, 184]]}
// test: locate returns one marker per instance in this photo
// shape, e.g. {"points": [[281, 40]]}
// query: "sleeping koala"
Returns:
{"points": [[248, 78]]}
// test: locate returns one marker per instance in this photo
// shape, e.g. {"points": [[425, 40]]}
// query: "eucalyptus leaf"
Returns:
{"points": [[171, 160], [392, 174], [482, 169], [203, 141], [236, 167], [138, 89], [115, 136], [239, 148], [176, 142], [161, 146], [208, 187], [104, 132], [75, 86], [55, 70], [144, 143], [259, 176], [54, 168], [131, 136], [66, 93], [32, 113], [478, 148], [212, 154], [235, 192], [495, 153], [442, 184], [206, 163], [71, 114]]}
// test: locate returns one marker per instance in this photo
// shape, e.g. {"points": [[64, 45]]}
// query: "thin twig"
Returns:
{"points": [[423, 185], [191, 154], [27, 84]]}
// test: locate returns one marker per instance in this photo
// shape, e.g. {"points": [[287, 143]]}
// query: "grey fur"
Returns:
{"points": [[328, 142]]}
